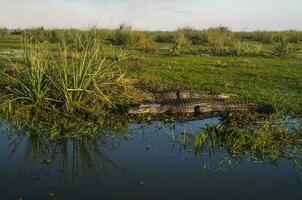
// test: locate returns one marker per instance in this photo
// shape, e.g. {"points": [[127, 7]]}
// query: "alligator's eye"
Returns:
{"points": [[198, 110]]}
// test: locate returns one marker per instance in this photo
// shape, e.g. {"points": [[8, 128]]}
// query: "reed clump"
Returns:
{"points": [[283, 47], [55, 80], [125, 36], [180, 44], [220, 40]]}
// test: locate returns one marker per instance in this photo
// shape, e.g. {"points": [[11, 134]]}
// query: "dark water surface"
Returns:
{"points": [[150, 162]]}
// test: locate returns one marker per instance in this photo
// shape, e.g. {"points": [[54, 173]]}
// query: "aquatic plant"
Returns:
{"points": [[264, 140]]}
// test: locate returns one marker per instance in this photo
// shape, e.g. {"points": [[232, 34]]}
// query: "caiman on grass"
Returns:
{"points": [[199, 106]]}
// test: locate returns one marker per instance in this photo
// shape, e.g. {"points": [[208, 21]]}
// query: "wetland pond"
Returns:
{"points": [[150, 161]]}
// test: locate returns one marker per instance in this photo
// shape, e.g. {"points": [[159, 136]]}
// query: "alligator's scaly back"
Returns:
{"points": [[185, 101], [199, 107], [187, 94]]}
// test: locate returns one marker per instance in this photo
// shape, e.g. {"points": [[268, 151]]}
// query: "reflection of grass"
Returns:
{"points": [[266, 140], [239, 137], [71, 156]]}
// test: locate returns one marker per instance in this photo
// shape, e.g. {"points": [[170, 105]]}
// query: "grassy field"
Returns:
{"points": [[262, 66]]}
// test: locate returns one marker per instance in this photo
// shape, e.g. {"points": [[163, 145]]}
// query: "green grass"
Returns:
{"points": [[249, 68], [276, 80], [268, 140]]}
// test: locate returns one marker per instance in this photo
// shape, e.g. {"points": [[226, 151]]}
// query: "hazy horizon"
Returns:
{"points": [[239, 15]]}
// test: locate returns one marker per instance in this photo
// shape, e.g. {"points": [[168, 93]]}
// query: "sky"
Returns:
{"points": [[239, 15]]}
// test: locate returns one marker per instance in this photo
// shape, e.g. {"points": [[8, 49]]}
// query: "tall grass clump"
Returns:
{"points": [[294, 36], [239, 48], [53, 79], [125, 36], [32, 83], [37, 35], [163, 37], [219, 40], [77, 40], [3, 33], [283, 47], [90, 79], [264, 36], [54, 35], [180, 44], [198, 37]]}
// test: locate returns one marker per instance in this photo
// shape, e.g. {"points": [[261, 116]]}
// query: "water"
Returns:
{"points": [[12, 53], [154, 161]]}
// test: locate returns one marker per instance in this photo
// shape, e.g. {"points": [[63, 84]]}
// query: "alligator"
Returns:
{"points": [[199, 106], [187, 94]]}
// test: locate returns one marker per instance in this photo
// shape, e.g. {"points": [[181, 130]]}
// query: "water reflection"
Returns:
{"points": [[71, 157], [115, 157]]}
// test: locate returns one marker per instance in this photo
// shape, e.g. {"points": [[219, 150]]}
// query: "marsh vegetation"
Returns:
{"points": [[64, 92], [93, 71]]}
